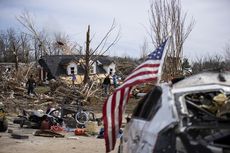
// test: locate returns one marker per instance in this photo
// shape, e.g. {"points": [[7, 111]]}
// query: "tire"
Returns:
{"points": [[81, 118], [3, 125]]}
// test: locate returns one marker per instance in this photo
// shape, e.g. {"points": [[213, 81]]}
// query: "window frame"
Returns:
{"points": [[149, 104], [91, 69], [72, 70]]}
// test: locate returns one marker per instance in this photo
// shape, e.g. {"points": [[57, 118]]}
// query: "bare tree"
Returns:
{"points": [[45, 45], [25, 47], [6, 45], [166, 18], [87, 56], [14, 46], [209, 63], [227, 52], [60, 44], [105, 44], [63, 46], [27, 21], [227, 56], [103, 47], [3, 46], [144, 49]]}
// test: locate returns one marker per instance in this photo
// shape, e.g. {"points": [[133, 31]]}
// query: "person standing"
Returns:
{"points": [[106, 85], [115, 81], [31, 85], [73, 79]]}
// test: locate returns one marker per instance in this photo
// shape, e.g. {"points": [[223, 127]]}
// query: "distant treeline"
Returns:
{"points": [[20, 47]]}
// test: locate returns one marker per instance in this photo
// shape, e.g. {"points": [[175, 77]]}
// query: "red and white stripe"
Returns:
{"points": [[114, 106], [112, 115]]}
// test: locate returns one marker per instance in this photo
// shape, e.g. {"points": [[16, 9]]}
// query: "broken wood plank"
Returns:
{"points": [[19, 136], [48, 133]]}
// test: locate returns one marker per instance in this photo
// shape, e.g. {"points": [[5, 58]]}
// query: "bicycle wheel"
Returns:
{"points": [[81, 118]]}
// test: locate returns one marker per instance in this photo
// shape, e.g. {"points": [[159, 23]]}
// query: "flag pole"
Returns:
{"points": [[163, 59]]}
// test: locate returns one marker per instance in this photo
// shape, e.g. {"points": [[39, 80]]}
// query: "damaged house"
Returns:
{"points": [[63, 66]]}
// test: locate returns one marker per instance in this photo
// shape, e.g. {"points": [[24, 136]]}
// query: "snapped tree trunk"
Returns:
{"points": [[87, 56]]}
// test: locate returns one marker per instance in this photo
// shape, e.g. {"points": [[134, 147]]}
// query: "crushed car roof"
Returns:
{"points": [[205, 78]]}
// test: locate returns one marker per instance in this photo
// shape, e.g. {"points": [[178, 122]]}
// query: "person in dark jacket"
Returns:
{"points": [[115, 81], [30, 84], [106, 85]]}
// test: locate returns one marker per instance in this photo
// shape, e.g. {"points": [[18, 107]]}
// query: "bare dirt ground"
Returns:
{"points": [[69, 144], [35, 144]]}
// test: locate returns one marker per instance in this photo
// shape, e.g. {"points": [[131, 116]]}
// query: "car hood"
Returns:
{"points": [[202, 79]]}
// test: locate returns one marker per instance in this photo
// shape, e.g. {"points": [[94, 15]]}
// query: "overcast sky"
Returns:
{"points": [[209, 36]]}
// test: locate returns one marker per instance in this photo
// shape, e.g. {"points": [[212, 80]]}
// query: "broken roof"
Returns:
{"points": [[55, 63], [104, 60], [65, 59]]}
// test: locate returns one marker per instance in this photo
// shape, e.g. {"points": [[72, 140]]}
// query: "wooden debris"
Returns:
{"points": [[48, 133], [19, 136], [13, 92], [10, 131]]}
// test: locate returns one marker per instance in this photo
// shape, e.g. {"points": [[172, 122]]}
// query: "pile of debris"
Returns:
{"points": [[13, 92], [58, 97]]}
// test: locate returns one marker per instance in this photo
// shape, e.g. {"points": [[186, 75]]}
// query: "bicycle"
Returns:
{"points": [[80, 114]]}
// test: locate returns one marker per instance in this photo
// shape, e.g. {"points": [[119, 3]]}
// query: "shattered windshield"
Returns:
{"points": [[209, 105]]}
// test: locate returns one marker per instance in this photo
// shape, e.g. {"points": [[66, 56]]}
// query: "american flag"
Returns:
{"points": [[114, 105]]}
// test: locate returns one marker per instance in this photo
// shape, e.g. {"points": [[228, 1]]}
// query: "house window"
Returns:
{"points": [[110, 71], [71, 70], [91, 69]]}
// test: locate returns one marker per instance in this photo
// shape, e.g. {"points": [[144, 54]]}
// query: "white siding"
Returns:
{"points": [[72, 64], [93, 68], [108, 67]]}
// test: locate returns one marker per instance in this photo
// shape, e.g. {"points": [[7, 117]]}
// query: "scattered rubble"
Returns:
{"points": [[13, 92], [19, 136], [72, 114], [48, 133]]}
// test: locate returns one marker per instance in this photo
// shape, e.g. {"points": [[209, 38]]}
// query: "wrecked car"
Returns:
{"points": [[192, 115]]}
